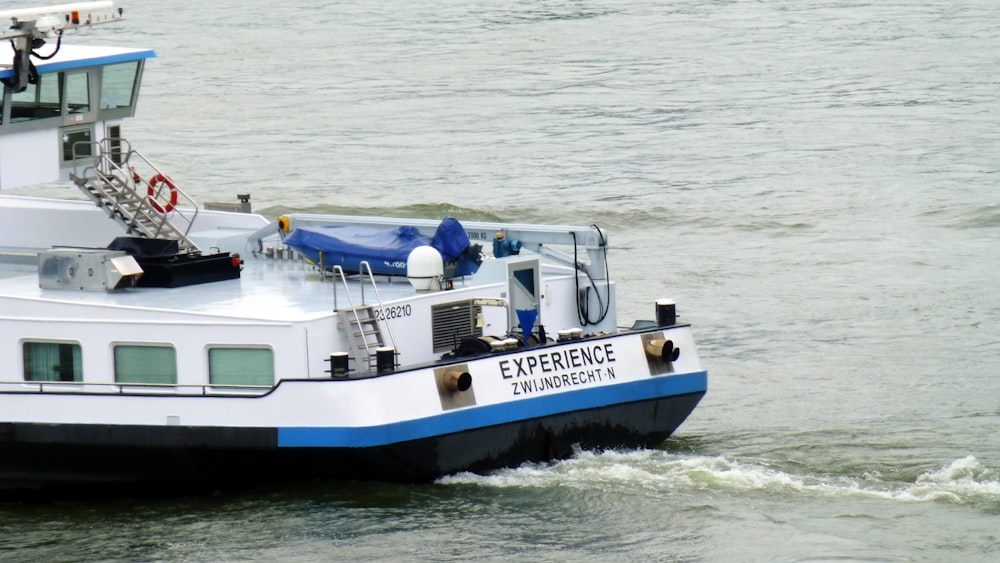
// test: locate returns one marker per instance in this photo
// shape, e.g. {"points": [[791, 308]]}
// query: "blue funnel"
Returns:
{"points": [[527, 318]]}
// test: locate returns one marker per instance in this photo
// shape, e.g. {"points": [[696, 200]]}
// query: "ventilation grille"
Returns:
{"points": [[453, 322], [115, 138]]}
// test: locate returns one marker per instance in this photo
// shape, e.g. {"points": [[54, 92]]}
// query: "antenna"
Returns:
{"points": [[29, 28]]}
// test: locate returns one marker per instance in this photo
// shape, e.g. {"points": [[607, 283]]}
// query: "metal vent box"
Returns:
{"points": [[87, 268]]}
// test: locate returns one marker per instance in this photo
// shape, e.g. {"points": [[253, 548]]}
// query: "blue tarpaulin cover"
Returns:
{"points": [[386, 251], [450, 239]]}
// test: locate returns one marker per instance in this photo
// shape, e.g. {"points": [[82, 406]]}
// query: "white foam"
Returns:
{"points": [[962, 481]]}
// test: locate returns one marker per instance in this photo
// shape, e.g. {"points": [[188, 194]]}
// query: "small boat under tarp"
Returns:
{"points": [[385, 250]]}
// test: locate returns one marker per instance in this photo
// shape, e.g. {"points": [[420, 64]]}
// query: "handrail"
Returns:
{"points": [[127, 388], [118, 182], [378, 297], [186, 198], [339, 272], [365, 270]]}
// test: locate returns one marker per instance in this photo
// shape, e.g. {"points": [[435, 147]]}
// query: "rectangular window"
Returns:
{"points": [[52, 361], [117, 85], [77, 143], [241, 366], [37, 101], [145, 364], [77, 92]]}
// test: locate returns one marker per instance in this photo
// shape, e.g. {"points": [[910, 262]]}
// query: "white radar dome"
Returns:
{"points": [[425, 268]]}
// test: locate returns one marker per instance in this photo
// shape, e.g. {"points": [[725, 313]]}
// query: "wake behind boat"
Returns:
{"points": [[152, 343]]}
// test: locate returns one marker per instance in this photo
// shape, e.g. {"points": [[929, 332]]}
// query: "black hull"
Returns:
{"points": [[98, 460]]}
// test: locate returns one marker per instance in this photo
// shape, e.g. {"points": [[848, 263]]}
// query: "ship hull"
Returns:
{"points": [[86, 460]]}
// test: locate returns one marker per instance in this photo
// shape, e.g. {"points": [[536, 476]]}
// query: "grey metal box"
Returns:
{"points": [[87, 268]]}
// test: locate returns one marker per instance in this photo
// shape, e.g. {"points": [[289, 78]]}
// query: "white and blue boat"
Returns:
{"points": [[152, 343]]}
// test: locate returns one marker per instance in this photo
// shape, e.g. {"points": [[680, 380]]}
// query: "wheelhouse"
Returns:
{"points": [[71, 101]]}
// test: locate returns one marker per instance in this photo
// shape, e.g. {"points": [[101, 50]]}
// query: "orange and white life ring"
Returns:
{"points": [[152, 191]]}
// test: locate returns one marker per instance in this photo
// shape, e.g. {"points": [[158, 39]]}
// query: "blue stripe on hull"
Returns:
{"points": [[485, 416]]}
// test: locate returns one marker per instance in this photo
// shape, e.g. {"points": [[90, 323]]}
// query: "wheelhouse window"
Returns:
{"points": [[145, 364], [74, 96], [37, 101], [241, 366], [52, 361], [118, 85], [77, 92]]}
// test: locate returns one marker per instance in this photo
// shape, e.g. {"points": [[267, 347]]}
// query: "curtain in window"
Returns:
{"points": [[145, 364], [52, 361], [241, 366]]}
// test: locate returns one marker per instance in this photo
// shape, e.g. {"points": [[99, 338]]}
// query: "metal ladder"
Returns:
{"points": [[360, 321], [114, 183], [365, 335]]}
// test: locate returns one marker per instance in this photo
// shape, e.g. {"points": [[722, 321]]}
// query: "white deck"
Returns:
{"points": [[269, 290], [281, 303], [278, 290]]}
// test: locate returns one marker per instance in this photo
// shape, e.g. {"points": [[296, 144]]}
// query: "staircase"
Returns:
{"points": [[364, 334], [144, 207], [360, 322]]}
